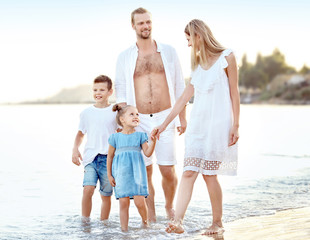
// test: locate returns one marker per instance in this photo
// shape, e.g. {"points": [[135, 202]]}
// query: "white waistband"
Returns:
{"points": [[161, 114]]}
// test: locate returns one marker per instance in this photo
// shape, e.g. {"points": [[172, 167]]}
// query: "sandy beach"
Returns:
{"points": [[293, 224]]}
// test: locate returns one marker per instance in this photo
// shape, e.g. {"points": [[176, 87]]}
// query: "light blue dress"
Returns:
{"points": [[128, 167]]}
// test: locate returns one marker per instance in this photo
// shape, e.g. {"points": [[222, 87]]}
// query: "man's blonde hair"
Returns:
{"points": [[138, 11], [208, 45]]}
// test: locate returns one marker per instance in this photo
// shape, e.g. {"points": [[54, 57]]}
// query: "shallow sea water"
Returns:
{"points": [[41, 189]]}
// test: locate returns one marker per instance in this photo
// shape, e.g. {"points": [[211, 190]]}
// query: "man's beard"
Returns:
{"points": [[144, 36]]}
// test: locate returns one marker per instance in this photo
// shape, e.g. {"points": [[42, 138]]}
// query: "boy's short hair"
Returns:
{"points": [[104, 79]]}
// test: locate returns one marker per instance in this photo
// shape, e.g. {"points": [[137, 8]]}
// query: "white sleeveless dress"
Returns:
{"points": [[207, 135]]}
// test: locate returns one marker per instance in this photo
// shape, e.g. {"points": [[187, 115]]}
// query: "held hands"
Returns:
{"points": [[181, 129], [112, 180], [154, 134], [76, 157], [233, 136], [159, 130]]}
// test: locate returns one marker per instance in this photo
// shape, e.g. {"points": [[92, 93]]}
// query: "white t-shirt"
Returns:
{"points": [[98, 124]]}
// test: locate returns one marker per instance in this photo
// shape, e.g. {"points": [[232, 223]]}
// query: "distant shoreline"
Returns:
{"points": [[47, 103], [278, 102], [269, 102]]}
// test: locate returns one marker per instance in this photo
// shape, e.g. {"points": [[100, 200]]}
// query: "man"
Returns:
{"points": [[149, 76]]}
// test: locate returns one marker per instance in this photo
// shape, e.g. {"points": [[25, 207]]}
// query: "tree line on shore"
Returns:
{"points": [[268, 78], [258, 77]]}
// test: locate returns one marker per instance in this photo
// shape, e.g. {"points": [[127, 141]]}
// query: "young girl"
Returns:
{"points": [[125, 164], [212, 133]]}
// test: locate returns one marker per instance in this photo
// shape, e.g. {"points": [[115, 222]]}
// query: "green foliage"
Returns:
{"points": [[304, 70], [304, 93], [299, 92], [290, 94], [254, 78], [278, 93], [265, 95], [264, 70]]}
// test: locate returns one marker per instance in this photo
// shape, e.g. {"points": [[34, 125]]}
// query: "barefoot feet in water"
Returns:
{"points": [[214, 229], [170, 213], [175, 228], [151, 216], [144, 224]]}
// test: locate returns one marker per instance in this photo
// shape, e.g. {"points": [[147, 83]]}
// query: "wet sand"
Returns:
{"points": [[293, 224]]}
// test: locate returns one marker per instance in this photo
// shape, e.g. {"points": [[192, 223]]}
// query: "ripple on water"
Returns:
{"points": [[252, 198]]}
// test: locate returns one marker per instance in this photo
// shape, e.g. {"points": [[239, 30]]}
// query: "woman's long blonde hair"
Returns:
{"points": [[206, 47]]}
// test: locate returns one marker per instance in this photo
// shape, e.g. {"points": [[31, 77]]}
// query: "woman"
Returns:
{"points": [[210, 141]]}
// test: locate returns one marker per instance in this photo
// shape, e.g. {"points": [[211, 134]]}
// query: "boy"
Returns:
{"points": [[98, 122]]}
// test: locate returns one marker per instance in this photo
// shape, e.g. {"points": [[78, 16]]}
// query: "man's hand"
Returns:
{"points": [[181, 129], [76, 157]]}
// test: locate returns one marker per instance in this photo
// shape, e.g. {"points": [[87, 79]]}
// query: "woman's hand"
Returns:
{"points": [[233, 135], [159, 130]]}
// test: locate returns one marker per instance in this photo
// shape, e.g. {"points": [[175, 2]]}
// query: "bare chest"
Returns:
{"points": [[149, 64]]}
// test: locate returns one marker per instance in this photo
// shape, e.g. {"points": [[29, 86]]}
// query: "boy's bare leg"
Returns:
{"points": [[88, 192], [184, 196], [169, 184], [105, 207], [216, 199], [142, 209], [124, 213], [150, 202]]}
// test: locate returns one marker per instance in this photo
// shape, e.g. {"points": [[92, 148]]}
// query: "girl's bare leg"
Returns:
{"points": [[216, 198], [184, 196], [150, 199], [142, 209], [105, 207], [124, 204]]}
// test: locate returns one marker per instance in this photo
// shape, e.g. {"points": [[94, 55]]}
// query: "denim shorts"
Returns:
{"points": [[97, 170]]}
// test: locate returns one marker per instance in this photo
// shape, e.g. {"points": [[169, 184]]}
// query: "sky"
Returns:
{"points": [[46, 45]]}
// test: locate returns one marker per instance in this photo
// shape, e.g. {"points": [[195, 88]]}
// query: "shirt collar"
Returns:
{"points": [[159, 47]]}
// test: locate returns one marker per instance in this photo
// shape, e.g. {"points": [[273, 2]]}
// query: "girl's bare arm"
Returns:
{"points": [[110, 157]]}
